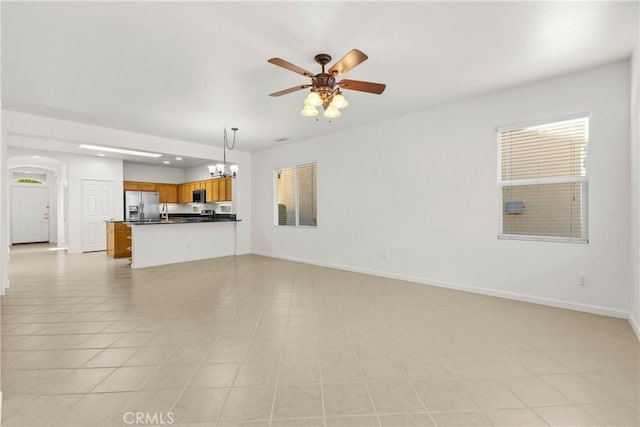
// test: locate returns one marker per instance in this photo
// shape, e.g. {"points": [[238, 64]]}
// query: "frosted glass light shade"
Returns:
{"points": [[309, 111], [339, 101], [234, 169], [220, 167], [313, 99], [212, 169], [332, 112]]}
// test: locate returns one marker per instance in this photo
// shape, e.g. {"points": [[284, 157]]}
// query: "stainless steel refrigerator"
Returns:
{"points": [[141, 206]]}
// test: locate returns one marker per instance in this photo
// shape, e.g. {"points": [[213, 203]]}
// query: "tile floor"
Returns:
{"points": [[86, 341]]}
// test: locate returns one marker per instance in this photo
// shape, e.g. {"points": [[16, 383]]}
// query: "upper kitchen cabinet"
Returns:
{"points": [[168, 193], [224, 189], [211, 187], [139, 186], [131, 186]]}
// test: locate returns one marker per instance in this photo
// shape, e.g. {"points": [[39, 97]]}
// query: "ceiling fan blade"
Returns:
{"points": [[376, 88], [291, 89], [289, 66], [350, 60]]}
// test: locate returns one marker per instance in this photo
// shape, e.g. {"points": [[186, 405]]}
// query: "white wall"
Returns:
{"points": [[634, 296], [416, 197], [151, 173]]}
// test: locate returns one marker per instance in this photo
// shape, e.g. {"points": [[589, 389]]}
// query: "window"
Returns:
{"points": [[296, 189], [543, 181]]}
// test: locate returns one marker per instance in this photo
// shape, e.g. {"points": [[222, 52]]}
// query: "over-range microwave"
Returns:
{"points": [[199, 196]]}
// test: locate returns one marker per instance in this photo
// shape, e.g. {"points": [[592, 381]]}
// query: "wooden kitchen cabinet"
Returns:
{"points": [[168, 193], [211, 187], [131, 186], [118, 240], [224, 189], [185, 192], [148, 186]]}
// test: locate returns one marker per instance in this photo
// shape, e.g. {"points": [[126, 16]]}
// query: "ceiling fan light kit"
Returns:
{"points": [[325, 91]]}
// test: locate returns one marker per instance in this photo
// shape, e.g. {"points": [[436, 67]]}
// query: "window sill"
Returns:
{"points": [[542, 238]]}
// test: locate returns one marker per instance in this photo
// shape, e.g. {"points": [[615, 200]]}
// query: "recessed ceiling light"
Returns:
{"points": [[36, 157], [101, 154], [120, 150], [166, 162], [178, 158]]}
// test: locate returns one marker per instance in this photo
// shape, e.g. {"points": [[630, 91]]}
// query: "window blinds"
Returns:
{"points": [[543, 180], [296, 195]]}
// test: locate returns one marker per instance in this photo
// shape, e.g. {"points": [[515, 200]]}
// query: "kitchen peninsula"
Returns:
{"points": [[168, 242]]}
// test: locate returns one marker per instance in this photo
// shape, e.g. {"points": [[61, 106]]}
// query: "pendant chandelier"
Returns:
{"points": [[222, 170]]}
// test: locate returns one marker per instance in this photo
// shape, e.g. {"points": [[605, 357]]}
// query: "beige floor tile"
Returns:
{"points": [[111, 358], [202, 405], [382, 369], [188, 355], [443, 395], [264, 350], [248, 403], [340, 371], [540, 363], [299, 422], [394, 398], [148, 356], [346, 399], [78, 381], [613, 413], [257, 373], [523, 417], [336, 349], [423, 369], [566, 416], [227, 353], [134, 339], [299, 371], [14, 403], [406, 420], [215, 375], [357, 421], [534, 392], [167, 377], [100, 340], [62, 310], [42, 410], [577, 388], [296, 401], [490, 394], [125, 379], [93, 410], [459, 419], [153, 402]]}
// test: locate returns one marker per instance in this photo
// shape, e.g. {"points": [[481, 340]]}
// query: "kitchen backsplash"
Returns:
{"points": [[190, 208]]}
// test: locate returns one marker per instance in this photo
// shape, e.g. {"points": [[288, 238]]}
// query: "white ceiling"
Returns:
{"points": [[186, 70]]}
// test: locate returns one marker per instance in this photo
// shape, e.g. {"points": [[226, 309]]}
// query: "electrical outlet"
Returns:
{"points": [[582, 281]]}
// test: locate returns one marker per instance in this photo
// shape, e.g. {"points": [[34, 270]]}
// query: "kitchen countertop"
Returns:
{"points": [[181, 220]]}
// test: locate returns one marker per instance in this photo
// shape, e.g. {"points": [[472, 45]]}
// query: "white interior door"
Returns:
{"points": [[29, 214], [97, 197]]}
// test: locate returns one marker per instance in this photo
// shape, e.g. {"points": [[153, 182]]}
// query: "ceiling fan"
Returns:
{"points": [[325, 90]]}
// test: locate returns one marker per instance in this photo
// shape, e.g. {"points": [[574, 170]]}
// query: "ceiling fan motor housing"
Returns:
{"points": [[324, 84]]}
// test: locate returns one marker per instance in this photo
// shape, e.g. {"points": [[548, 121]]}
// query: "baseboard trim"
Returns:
{"points": [[635, 325], [605, 311]]}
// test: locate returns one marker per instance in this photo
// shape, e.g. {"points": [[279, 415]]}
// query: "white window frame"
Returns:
{"points": [[275, 195], [584, 223]]}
